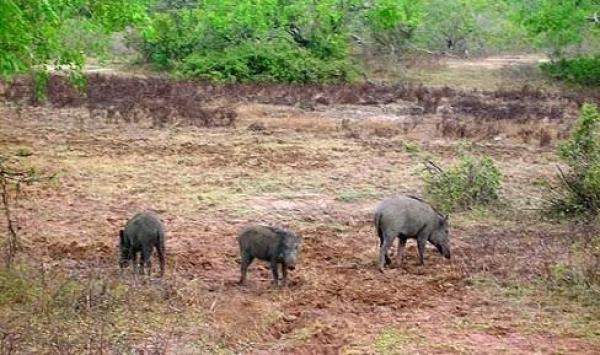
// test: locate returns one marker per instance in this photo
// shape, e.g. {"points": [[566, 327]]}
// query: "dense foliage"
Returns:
{"points": [[557, 24], [569, 31], [467, 26], [581, 70], [35, 32], [291, 41]]}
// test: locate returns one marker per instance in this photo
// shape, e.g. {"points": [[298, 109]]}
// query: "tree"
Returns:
{"points": [[32, 32], [464, 26], [392, 22], [557, 24]]}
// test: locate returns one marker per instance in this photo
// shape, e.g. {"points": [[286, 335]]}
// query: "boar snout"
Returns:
{"points": [[444, 250]]}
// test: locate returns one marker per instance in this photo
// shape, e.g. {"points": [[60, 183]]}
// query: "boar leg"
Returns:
{"points": [[401, 248], [421, 249], [274, 266], [285, 274], [383, 251], [133, 259], [146, 259], [160, 251], [246, 261]]}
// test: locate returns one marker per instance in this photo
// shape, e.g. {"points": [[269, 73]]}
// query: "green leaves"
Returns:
{"points": [[583, 146], [277, 61], [386, 15], [555, 24], [249, 40], [579, 189], [581, 70], [34, 35]]}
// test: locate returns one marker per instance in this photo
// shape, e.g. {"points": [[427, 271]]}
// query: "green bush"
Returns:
{"points": [[582, 71], [471, 182], [274, 62], [579, 189]]}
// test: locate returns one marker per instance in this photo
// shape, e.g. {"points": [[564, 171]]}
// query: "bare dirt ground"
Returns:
{"points": [[320, 176], [491, 72]]}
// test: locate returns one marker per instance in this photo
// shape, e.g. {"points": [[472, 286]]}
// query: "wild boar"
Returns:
{"points": [[278, 246], [142, 233], [405, 217]]}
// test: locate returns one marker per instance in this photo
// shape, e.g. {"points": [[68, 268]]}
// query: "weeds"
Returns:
{"points": [[24, 152]]}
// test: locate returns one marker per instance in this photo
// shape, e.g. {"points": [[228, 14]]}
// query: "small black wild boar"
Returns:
{"points": [[405, 217], [142, 233], [278, 246]]}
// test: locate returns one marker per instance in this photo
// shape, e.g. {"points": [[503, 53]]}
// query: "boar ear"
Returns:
{"points": [[121, 237]]}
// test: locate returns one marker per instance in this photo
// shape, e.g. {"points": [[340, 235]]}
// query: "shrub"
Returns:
{"points": [[583, 71], [471, 182], [579, 190], [274, 62]]}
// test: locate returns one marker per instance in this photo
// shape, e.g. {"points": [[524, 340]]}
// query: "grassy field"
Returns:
{"points": [[511, 286]]}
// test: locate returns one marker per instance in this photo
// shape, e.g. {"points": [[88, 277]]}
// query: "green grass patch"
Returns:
{"points": [[358, 194], [24, 152], [394, 341]]}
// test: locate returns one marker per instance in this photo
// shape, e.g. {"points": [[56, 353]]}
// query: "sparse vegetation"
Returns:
{"points": [[352, 195], [24, 152]]}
